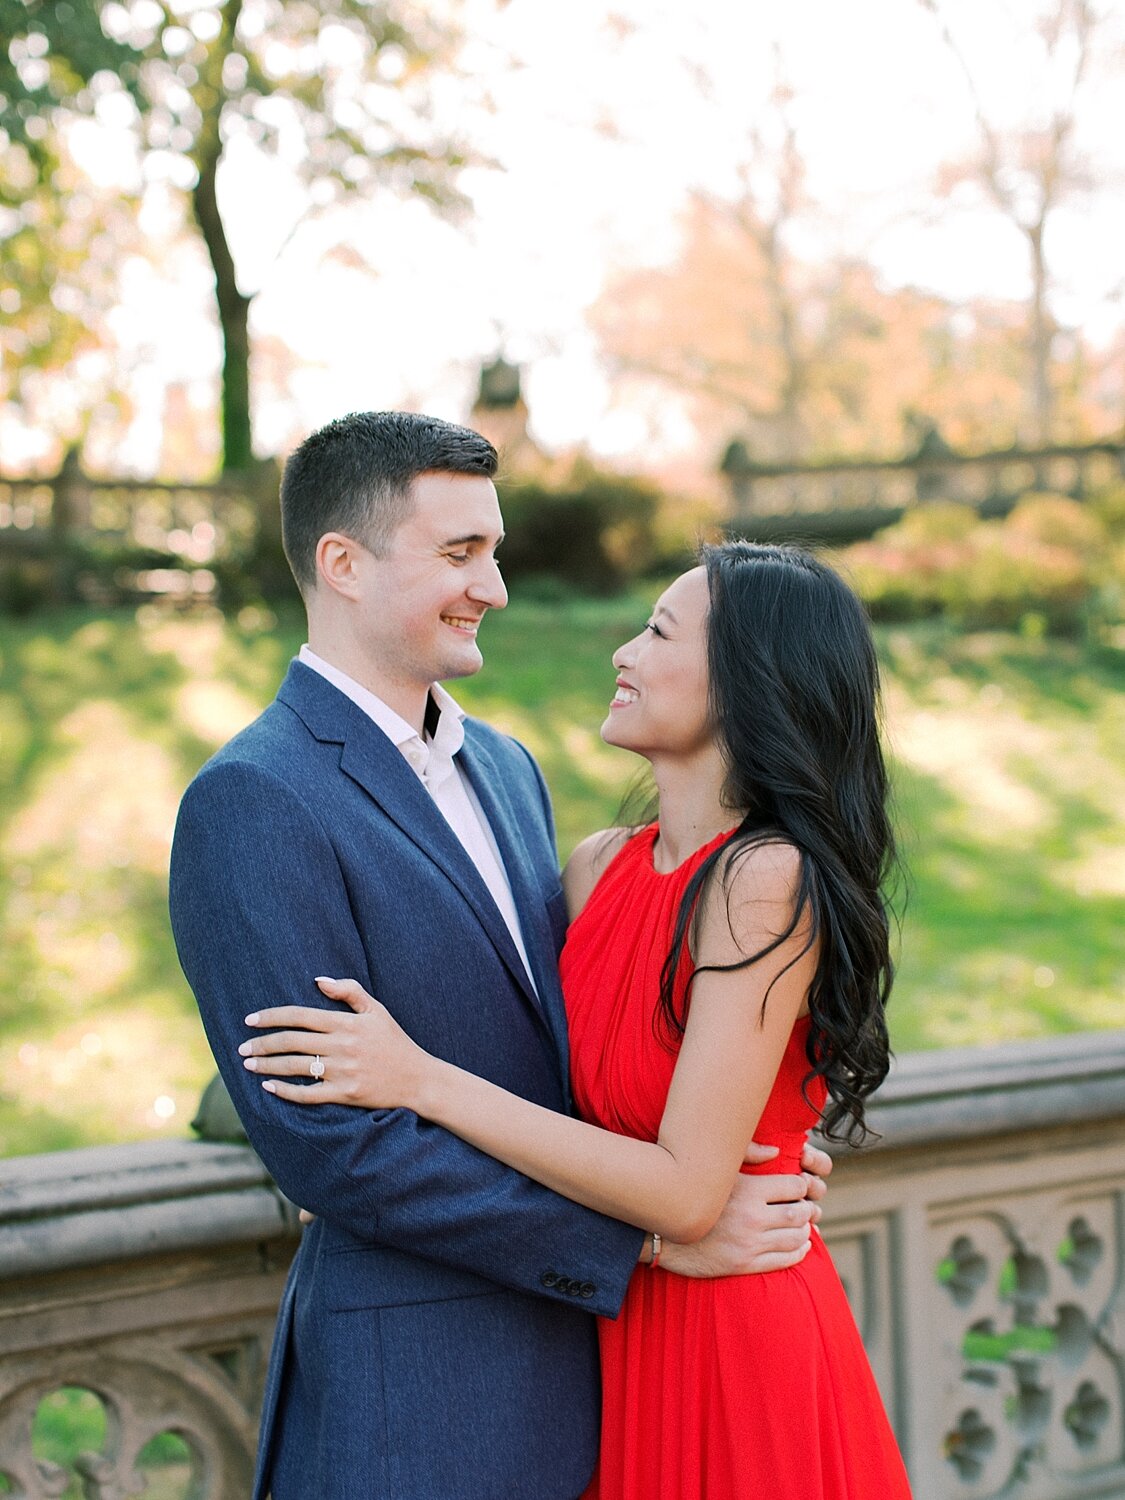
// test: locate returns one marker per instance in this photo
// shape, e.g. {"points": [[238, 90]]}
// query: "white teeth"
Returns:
{"points": [[461, 624], [625, 695]]}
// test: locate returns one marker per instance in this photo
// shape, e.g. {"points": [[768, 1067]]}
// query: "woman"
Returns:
{"points": [[726, 974]]}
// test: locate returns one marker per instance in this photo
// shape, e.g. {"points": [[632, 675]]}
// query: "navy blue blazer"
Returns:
{"points": [[435, 1340]]}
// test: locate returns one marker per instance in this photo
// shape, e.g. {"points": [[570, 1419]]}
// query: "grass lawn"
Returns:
{"points": [[1010, 784]]}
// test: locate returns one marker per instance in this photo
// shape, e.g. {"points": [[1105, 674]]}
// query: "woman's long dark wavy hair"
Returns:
{"points": [[794, 688]]}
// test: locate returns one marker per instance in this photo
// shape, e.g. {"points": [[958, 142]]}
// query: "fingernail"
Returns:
{"points": [[324, 979], [245, 1049], [253, 1020], [269, 1086], [250, 1063]]}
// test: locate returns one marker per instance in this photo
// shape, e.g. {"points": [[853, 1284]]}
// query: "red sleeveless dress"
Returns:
{"points": [[743, 1388]]}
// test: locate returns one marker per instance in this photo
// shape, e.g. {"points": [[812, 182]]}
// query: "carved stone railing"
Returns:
{"points": [[147, 1276], [851, 497], [99, 540], [982, 1245], [981, 1241], [196, 521]]}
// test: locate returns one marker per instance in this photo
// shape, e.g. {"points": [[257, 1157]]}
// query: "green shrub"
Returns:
{"points": [[594, 530], [1109, 507], [1050, 564], [1058, 521], [894, 585], [25, 584], [938, 521], [1010, 576]]}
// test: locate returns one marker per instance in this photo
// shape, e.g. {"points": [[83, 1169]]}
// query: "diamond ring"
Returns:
{"points": [[316, 1068]]}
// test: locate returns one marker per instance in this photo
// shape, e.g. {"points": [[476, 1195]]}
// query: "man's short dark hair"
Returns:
{"points": [[355, 474]]}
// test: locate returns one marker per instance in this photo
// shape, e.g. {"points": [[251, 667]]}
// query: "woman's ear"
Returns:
{"points": [[336, 563]]}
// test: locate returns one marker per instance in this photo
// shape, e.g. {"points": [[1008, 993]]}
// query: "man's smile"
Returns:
{"points": [[463, 623]]}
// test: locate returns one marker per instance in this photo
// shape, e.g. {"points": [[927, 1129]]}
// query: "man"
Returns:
{"points": [[434, 1340]]}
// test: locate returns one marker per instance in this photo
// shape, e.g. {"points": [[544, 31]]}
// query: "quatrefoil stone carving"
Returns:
{"points": [[1031, 1385]]}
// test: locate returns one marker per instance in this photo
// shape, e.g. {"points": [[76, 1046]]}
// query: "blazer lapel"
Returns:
{"points": [[492, 793], [370, 759]]}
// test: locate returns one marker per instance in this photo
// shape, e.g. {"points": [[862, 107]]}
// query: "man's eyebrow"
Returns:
{"points": [[474, 536]]}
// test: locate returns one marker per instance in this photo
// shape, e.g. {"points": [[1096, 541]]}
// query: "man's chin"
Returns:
{"points": [[464, 664]]}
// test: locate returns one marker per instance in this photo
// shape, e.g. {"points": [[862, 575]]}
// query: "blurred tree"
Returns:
{"points": [[53, 50], [861, 358], [747, 350], [62, 243], [703, 328], [761, 329], [797, 355], [1030, 171], [343, 90], [763, 214]]}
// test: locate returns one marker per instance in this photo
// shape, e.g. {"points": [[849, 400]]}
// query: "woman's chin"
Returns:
{"points": [[613, 732]]}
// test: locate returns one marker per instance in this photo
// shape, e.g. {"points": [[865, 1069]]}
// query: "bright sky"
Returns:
{"points": [[879, 104]]}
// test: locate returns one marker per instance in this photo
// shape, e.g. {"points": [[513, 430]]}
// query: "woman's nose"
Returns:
{"points": [[625, 656]]}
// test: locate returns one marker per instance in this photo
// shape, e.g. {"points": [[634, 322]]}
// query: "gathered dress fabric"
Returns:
{"points": [[739, 1388]]}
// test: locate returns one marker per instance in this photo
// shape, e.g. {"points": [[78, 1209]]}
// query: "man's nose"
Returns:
{"points": [[488, 586]]}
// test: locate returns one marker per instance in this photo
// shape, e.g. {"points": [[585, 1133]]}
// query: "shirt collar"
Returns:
{"points": [[432, 760], [447, 738]]}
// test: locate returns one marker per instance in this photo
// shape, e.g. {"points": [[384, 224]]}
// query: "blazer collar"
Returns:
{"points": [[371, 760], [325, 711]]}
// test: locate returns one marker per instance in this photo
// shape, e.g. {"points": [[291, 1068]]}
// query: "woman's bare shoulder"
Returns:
{"points": [[751, 902], [588, 863], [764, 867]]}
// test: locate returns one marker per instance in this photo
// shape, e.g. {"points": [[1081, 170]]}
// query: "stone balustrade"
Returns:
{"points": [[148, 1275], [981, 1241], [990, 481]]}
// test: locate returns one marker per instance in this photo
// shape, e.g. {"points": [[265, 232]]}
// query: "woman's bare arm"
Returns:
{"points": [[728, 1060]]}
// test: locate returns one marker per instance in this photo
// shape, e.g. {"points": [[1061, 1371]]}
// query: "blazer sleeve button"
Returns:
{"points": [[587, 1289], [549, 1279]]}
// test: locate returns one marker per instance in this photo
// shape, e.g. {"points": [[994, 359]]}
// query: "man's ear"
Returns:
{"points": [[337, 558]]}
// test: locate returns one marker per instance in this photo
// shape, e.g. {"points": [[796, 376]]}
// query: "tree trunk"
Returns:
{"points": [[233, 308], [1042, 333], [791, 393], [234, 314]]}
